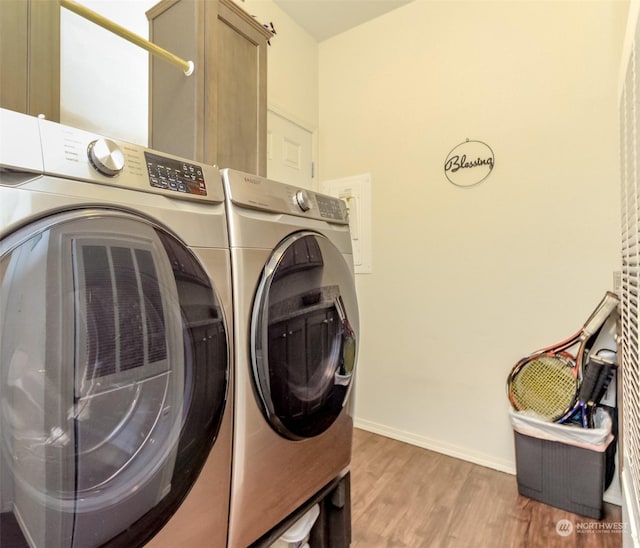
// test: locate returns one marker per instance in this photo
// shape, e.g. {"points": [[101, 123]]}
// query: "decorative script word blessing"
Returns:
{"points": [[456, 162], [469, 163]]}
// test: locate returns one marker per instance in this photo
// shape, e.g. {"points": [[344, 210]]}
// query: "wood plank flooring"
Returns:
{"points": [[406, 496]]}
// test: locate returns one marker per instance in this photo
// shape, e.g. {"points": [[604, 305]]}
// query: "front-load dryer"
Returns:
{"points": [[296, 329], [115, 343]]}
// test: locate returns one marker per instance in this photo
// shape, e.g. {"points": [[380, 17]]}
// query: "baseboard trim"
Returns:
{"points": [[437, 446]]}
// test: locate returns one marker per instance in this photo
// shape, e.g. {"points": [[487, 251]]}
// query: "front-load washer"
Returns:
{"points": [[296, 337], [115, 343]]}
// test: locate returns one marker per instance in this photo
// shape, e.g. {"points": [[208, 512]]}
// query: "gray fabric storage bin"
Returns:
{"points": [[562, 474]]}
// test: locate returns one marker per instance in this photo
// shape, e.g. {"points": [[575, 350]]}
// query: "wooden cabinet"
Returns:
{"points": [[30, 57], [218, 115]]}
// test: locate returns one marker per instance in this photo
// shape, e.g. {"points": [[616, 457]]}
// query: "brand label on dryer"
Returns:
{"points": [[253, 180]]}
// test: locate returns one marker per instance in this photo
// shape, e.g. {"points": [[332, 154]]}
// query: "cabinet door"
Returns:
{"points": [[30, 57], [219, 114], [242, 74]]}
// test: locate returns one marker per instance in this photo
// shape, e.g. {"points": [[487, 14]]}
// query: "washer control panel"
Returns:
{"points": [[175, 175], [267, 195], [75, 154]]}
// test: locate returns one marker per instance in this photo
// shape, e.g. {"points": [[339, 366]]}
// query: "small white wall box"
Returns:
{"points": [[356, 191]]}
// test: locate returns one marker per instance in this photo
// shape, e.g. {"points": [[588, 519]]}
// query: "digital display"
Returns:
{"points": [[175, 175], [330, 207]]}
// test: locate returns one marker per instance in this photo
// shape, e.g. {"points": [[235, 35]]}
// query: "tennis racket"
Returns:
{"points": [[583, 409], [598, 373], [609, 359], [547, 381]]}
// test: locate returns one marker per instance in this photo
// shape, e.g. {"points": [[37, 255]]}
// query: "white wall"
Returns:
{"points": [[104, 80], [468, 280]]}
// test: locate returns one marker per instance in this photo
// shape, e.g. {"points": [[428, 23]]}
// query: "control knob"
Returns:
{"points": [[106, 157], [302, 199]]}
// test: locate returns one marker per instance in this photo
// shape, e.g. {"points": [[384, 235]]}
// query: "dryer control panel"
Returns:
{"points": [[256, 192]]}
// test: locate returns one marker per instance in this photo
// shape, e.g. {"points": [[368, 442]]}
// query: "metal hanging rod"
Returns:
{"points": [[82, 11]]}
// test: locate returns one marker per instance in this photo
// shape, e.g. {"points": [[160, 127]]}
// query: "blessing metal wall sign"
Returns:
{"points": [[469, 163]]}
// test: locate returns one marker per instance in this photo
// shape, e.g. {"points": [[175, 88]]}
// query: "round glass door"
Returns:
{"points": [[113, 379], [304, 336]]}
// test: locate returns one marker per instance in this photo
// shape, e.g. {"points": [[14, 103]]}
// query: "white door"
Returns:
{"points": [[289, 151]]}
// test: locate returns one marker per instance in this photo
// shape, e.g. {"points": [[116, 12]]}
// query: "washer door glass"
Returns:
{"points": [[304, 335], [113, 379]]}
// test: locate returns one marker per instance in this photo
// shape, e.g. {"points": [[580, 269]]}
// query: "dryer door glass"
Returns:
{"points": [[304, 335], [113, 379]]}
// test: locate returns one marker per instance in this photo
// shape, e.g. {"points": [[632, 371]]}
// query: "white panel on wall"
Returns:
{"points": [[356, 191]]}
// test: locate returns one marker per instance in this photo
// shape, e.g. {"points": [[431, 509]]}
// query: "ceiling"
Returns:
{"points": [[323, 19]]}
